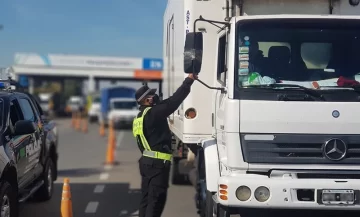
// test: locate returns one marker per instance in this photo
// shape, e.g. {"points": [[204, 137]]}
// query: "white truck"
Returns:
{"points": [[123, 111], [94, 107], [45, 101], [275, 112]]}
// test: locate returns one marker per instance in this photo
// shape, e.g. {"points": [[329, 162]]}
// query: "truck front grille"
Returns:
{"points": [[298, 149]]}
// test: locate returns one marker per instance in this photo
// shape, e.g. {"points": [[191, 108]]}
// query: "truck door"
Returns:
{"points": [[170, 59], [221, 82], [33, 150]]}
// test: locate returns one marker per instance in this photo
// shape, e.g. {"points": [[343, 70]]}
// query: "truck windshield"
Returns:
{"points": [[124, 105], [306, 52], [96, 99]]}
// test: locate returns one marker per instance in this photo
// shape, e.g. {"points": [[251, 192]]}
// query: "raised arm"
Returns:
{"points": [[169, 106]]}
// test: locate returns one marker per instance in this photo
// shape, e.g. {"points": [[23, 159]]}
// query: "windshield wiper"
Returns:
{"points": [[285, 97]]}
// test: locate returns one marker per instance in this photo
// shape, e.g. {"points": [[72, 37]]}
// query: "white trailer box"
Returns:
{"points": [[178, 20], [291, 140]]}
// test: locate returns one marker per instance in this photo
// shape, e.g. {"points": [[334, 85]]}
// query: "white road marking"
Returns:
{"points": [[104, 176], [99, 189], [134, 214], [92, 207], [120, 138], [108, 167], [123, 212]]}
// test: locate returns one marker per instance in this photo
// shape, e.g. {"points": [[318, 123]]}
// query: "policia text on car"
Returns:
{"points": [[153, 136]]}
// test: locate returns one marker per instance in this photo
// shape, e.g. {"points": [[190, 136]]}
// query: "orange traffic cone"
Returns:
{"points": [[110, 153], [78, 121], [66, 203], [85, 125], [73, 119], [113, 140], [102, 129]]}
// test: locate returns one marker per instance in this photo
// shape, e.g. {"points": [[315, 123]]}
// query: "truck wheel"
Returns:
{"points": [[45, 192], [8, 201], [222, 211], [207, 206]]}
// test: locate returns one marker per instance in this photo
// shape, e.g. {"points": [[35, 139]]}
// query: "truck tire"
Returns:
{"points": [[222, 211], [207, 207], [45, 192], [8, 200]]}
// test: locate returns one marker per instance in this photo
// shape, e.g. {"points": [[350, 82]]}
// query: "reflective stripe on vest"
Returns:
{"points": [[139, 132]]}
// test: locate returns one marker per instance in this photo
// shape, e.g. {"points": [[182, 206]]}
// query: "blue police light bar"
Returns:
{"points": [[4, 85]]}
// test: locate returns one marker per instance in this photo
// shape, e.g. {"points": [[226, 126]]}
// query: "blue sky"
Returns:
{"points": [[129, 28]]}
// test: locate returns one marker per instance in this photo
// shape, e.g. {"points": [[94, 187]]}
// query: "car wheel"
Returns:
{"points": [[8, 201], [45, 192]]}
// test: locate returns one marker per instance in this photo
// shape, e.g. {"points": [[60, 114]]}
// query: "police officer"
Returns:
{"points": [[153, 136]]}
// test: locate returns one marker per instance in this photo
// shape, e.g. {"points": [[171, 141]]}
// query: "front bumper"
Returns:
{"points": [[284, 192]]}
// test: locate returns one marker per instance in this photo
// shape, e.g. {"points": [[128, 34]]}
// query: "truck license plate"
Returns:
{"points": [[333, 197]]}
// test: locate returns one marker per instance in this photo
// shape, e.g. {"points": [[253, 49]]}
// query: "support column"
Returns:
{"points": [[91, 84], [31, 85], [97, 85], [62, 85]]}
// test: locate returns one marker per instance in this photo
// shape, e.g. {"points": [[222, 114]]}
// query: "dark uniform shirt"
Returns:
{"points": [[156, 128]]}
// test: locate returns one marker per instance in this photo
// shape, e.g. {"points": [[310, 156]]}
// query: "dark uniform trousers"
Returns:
{"points": [[154, 185]]}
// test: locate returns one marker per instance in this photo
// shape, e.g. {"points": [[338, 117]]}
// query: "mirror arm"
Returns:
{"points": [[212, 88], [213, 22]]}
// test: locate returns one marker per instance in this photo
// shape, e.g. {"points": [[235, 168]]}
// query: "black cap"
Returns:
{"points": [[144, 91]]}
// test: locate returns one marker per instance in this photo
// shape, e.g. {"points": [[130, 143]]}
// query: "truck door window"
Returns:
{"points": [[221, 60], [27, 109]]}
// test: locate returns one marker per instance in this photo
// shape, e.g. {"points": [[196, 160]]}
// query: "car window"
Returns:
{"points": [[15, 112], [36, 104], [1, 112], [27, 109]]}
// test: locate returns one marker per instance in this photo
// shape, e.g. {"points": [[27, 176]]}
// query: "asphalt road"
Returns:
{"points": [[100, 191], [112, 192]]}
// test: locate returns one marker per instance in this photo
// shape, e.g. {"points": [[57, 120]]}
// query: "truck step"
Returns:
{"points": [[28, 193]]}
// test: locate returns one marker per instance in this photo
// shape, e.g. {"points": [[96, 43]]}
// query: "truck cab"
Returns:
{"points": [[284, 94], [123, 111], [114, 99]]}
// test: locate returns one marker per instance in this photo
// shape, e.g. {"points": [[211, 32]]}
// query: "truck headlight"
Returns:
{"points": [[243, 193], [262, 194]]}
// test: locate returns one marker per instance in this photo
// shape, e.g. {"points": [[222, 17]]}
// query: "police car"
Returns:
{"points": [[28, 150]]}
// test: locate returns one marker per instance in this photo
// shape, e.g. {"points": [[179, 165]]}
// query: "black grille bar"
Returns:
{"points": [[297, 149]]}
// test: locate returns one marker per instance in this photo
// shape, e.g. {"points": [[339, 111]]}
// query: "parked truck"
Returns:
{"points": [[93, 106], [107, 96], [274, 113]]}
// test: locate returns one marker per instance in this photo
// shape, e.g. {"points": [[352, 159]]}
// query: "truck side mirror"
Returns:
{"points": [[193, 51]]}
